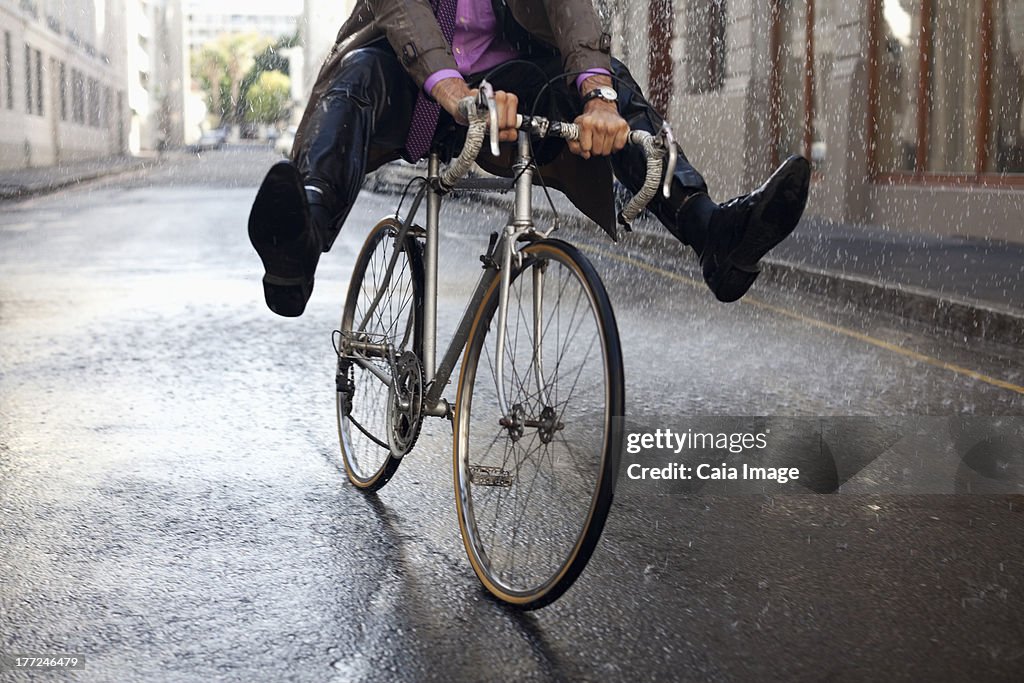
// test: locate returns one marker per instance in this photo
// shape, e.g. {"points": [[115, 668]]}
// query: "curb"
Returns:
{"points": [[972, 319], [15, 191]]}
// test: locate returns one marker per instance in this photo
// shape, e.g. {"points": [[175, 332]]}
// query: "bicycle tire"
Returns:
{"points": [[575, 532], [363, 401]]}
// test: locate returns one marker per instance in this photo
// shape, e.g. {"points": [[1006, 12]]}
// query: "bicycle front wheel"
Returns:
{"points": [[534, 483], [378, 421]]}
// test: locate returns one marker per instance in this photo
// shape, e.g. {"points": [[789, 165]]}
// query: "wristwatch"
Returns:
{"points": [[601, 92]]}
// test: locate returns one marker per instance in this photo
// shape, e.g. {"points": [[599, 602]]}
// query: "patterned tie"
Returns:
{"points": [[426, 112]]}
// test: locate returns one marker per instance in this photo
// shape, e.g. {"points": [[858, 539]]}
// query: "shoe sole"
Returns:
{"points": [[267, 214], [729, 283], [285, 295]]}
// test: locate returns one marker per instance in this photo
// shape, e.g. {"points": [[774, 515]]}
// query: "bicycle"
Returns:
{"points": [[536, 441]]}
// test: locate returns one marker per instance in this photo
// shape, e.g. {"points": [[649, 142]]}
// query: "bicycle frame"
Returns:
{"points": [[656, 148], [498, 263]]}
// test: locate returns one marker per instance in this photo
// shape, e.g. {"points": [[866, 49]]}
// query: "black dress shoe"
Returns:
{"points": [[746, 228], [281, 231]]}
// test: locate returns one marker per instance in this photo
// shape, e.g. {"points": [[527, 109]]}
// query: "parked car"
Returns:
{"points": [[210, 139], [283, 143]]}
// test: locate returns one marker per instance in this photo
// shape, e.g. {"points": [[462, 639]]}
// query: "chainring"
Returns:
{"points": [[405, 404]]}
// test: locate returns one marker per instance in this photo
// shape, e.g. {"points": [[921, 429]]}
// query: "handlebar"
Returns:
{"points": [[482, 114]]}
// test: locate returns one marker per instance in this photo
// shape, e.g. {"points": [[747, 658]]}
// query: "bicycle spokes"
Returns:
{"points": [[530, 475], [379, 378]]}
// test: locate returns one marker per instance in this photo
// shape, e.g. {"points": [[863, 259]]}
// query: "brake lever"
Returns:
{"points": [[487, 99], [669, 140]]}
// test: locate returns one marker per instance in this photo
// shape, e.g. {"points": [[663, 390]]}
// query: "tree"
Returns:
{"points": [[221, 66], [268, 99], [208, 71], [270, 59]]}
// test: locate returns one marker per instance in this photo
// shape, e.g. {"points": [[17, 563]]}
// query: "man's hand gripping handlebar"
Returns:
{"points": [[482, 114]]}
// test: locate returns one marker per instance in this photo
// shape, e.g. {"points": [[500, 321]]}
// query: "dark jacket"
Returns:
{"points": [[570, 27]]}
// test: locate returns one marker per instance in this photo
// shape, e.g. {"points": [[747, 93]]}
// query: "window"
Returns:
{"points": [[77, 96], [94, 103], [947, 87], [63, 75], [661, 19], [39, 83], [119, 113], [1005, 134], [33, 81], [790, 50], [29, 101], [704, 45], [803, 48], [9, 69]]}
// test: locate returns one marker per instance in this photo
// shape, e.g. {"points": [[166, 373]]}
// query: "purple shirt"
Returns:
{"points": [[476, 45]]}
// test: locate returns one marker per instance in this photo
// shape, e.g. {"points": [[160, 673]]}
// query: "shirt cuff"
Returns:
{"points": [[587, 74], [432, 80]]}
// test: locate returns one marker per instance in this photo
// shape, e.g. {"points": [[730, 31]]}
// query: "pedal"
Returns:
{"points": [[490, 476]]}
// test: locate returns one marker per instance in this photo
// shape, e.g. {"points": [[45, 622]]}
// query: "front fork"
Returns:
{"points": [[539, 271], [522, 223], [508, 247]]}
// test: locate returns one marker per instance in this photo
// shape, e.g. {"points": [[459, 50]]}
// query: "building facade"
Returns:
{"points": [[62, 81], [911, 110], [85, 79], [157, 77], [321, 20], [207, 20]]}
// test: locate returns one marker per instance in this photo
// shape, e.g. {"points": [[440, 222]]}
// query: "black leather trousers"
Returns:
{"points": [[368, 106], [363, 119]]}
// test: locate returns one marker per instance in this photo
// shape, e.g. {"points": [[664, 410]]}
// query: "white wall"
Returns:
{"points": [[319, 26], [30, 139]]}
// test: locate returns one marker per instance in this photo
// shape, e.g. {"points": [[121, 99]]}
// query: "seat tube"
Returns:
{"points": [[430, 286]]}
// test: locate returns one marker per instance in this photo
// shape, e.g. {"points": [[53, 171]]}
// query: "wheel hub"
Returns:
{"points": [[547, 424], [514, 423]]}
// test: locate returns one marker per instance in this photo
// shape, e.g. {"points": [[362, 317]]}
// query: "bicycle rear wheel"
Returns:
{"points": [[533, 488], [382, 325]]}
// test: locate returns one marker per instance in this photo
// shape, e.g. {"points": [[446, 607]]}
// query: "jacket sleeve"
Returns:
{"points": [[578, 35], [412, 30]]}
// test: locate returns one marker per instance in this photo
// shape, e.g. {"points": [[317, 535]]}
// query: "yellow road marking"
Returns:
{"points": [[837, 329]]}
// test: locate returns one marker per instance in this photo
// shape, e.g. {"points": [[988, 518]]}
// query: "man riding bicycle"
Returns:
{"points": [[391, 88]]}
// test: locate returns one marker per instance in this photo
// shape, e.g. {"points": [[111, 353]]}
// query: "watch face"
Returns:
{"points": [[602, 92]]}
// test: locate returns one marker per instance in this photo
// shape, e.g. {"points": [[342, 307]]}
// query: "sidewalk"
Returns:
{"points": [[967, 285], [26, 182], [971, 287]]}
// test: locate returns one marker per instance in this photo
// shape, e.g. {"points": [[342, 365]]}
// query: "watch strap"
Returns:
{"points": [[596, 94]]}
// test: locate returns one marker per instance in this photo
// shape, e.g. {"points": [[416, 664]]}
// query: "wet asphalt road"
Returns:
{"points": [[173, 505]]}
